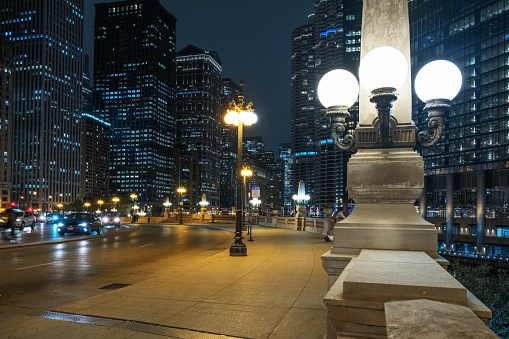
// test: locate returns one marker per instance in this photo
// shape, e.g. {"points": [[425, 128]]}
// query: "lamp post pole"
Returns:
{"points": [[181, 190], [239, 115]]}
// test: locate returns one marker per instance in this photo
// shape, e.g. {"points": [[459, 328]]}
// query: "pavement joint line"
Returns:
{"points": [[132, 325]]}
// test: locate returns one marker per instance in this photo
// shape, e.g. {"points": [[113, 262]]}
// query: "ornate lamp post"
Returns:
{"points": [[246, 172], [115, 201], [385, 171], [301, 199], [239, 115], [100, 203], [181, 190], [167, 205]]}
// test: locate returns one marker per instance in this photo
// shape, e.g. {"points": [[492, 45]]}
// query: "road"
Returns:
{"points": [[39, 278]]}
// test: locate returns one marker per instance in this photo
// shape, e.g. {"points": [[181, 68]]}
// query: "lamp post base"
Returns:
{"points": [[238, 250]]}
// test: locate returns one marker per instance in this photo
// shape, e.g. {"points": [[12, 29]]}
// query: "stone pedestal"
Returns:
{"points": [[385, 183], [357, 301]]}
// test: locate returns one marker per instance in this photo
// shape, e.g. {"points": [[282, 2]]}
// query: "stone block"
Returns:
{"points": [[383, 278], [431, 319]]}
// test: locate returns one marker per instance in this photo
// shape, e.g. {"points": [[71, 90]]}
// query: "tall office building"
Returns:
{"points": [[199, 87], [330, 40], [134, 78], [228, 176], [285, 156], [46, 37], [475, 142], [303, 105], [95, 159], [6, 94]]}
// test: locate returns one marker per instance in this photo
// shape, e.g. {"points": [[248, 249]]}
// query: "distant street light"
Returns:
{"points": [[181, 190], [115, 200], [239, 115], [87, 205]]}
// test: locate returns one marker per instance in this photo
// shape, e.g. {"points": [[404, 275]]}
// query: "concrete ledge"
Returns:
{"points": [[431, 319]]}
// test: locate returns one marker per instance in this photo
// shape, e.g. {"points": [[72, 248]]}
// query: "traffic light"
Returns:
{"points": [[30, 209], [13, 203]]}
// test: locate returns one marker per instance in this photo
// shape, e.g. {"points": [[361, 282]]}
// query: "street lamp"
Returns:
{"points": [[167, 205], [87, 205], [100, 202], [239, 115], [246, 172], [301, 198], [115, 200], [181, 190]]}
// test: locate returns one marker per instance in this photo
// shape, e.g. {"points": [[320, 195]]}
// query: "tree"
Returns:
{"points": [[491, 286], [76, 206]]}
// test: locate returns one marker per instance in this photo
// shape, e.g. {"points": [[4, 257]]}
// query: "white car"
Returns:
{"points": [[23, 219]]}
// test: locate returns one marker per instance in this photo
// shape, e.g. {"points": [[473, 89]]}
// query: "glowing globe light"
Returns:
{"points": [[439, 79], [383, 67], [248, 117], [232, 118], [338, 88]]}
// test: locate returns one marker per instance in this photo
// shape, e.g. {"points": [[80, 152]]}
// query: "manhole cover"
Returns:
{"points": [[113, 286]]}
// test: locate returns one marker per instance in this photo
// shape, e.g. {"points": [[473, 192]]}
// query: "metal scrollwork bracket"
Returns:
{"points": [[339, 134], [436, 110]]}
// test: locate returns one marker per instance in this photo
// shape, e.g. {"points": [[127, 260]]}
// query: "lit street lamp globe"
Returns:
{"points": [[439, 79], [383, 67], [338, 88]]}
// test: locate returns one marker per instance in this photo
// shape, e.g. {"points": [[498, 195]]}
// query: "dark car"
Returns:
{"points": [[110, 218], [79, 223]]}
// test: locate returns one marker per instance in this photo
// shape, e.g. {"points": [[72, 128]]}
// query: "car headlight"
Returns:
{"points": [[18, 219], [42, 218], [60, 224], [84, 224], [105, 219], [55, 217], [116, 219]]}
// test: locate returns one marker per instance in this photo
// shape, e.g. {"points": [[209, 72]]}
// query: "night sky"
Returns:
{"points": [[252, 38]]}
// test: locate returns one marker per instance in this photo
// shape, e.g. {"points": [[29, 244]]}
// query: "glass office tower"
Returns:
{"points": [[199, 88], [46, 37], [475, 144], [134, 77]]}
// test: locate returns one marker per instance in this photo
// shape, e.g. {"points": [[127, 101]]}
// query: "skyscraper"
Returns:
{"points": [[199, 88], [330, 40], [134, 75], [46, 38], [285, 156], [467, 169], [303, 105], [6, 92], [228, 176]]}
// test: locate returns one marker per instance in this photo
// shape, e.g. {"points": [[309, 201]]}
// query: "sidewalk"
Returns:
{"points": [[274, 292]]}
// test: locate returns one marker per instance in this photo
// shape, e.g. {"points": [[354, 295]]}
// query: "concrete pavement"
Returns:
{"points": [[275, 292]]}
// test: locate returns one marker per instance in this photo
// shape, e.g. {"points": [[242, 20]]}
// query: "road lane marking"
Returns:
{"points": [[33, 266], [147, 245]]}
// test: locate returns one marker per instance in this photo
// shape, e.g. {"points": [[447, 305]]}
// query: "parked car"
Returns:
{"points": [[110, 218], [79, 223]]}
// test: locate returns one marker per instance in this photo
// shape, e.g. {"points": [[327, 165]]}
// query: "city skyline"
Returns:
{"points": [[256, 52]]}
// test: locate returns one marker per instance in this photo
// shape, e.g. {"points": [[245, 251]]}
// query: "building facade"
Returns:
{"points": [[466, 171], [134, 75], [6, 97], [199, 87], [228, 171], [46, 38], [285, 156], [330, 40], [95, 159]]}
